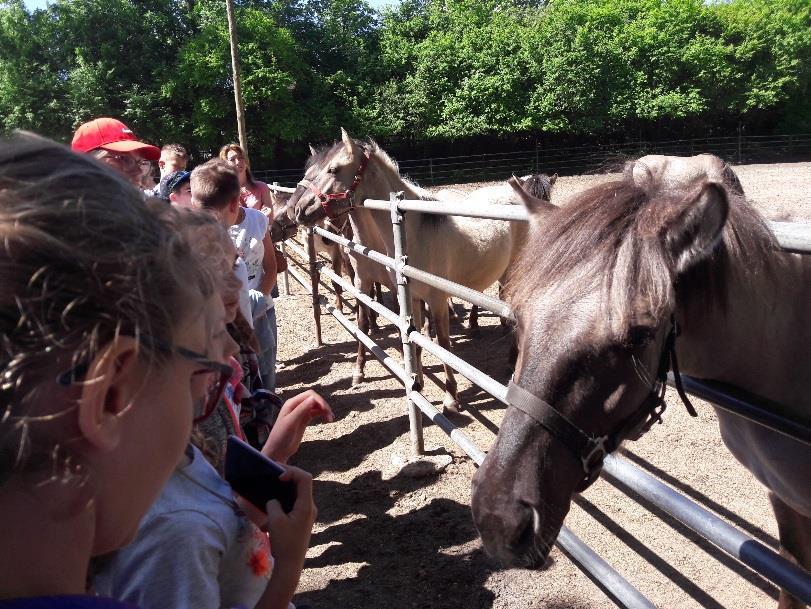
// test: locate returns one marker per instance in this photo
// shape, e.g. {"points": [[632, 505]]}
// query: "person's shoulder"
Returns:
{"points": [[257, 217]]}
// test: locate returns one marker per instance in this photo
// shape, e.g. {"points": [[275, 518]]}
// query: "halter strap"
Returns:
{"points": [[345, 195], [591, 450]]}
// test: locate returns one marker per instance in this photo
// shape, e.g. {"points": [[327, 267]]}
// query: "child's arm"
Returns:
{"points": [[268, 267]]}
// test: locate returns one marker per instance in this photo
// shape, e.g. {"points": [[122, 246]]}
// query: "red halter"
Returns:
{"points": [[346, 195]]}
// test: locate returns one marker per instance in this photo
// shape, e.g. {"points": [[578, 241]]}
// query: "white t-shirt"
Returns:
{"points": [[247, 237], [241, 271]]}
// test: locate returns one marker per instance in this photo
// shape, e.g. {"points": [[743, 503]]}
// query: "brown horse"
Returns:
{"points": [[598, 294], [471, 251]]}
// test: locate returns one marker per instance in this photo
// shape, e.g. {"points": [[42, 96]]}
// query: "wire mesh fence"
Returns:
{"points": [[580, 159]]}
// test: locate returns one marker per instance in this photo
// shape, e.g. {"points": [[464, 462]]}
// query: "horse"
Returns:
{"points": [[470, 251], [534, 186], [667, 261]]}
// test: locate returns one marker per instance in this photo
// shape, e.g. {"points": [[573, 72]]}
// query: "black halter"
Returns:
{"points": [[592, 450]]}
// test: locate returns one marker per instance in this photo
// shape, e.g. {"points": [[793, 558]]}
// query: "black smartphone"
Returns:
{"points": [[255, 477]]}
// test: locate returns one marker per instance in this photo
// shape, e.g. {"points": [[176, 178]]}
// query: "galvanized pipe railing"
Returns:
{"points": [[499, 307], [731, 540], [791, 236]]}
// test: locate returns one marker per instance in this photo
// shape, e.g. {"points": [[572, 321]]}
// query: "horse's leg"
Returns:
{"points": [[473, 320], [795, 543], [504, 323], [336, 268], [439, 311], [372, 314], [363, 326], [418, 313], [350, 270]]}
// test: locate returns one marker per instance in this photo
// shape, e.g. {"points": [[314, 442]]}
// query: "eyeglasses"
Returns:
{"points": [[222, 373], [127, 162]]}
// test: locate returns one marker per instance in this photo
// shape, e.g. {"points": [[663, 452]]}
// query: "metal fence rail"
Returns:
{"points": [[731, 540]]}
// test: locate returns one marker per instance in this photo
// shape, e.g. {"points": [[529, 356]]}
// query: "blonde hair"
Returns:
{"points": [[82, 260]]}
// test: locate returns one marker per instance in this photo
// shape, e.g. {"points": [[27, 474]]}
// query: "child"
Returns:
{"points": [[215, 186]]}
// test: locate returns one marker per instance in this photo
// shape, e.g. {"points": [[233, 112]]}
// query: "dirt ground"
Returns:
{"points": [[388, 539]]}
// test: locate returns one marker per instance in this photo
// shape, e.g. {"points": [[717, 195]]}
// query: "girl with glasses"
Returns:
{"points": [[102, 319]]}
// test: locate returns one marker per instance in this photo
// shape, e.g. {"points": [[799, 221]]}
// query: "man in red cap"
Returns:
{"points": [[113, 143]]}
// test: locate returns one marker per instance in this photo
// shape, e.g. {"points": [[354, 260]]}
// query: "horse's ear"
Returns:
{"points": [[313, 151], [348, 143], [553, 178], [693, 232], [538, 208]]}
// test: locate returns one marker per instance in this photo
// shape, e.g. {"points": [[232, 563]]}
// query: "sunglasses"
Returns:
{"points": [[220, 375]]}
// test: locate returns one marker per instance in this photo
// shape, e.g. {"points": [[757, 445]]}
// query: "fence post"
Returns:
{"points": [[431, 169], [740, 143], [404, 298], [285, 275], [314, 283]]}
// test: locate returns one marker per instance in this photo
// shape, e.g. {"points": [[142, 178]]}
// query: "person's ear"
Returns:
{"points": [[173, 197], [233, 206], [107, 391], [161, 164]]}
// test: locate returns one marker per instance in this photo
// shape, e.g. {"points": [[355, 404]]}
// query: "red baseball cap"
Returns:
{"points": [[111, 134]]}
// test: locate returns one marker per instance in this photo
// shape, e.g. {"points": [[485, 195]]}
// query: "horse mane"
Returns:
{"points": [[604, 235], [426, 220]]}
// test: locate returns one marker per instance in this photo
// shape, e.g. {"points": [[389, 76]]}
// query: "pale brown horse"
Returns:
{"points": [[595, 293], [470, 251]]}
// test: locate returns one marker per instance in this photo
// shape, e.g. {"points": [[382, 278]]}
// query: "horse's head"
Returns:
{"points": [[593, 294], [282, 225], [331, 177]]}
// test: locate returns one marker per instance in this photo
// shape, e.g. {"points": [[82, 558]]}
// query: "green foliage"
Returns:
{"points": [[426, 69]]}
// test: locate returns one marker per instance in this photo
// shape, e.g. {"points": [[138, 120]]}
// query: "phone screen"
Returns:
{"points": [[255, 477]]}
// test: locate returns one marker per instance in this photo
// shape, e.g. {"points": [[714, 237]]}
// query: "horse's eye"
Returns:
{"points": [[639, 336], [332, 169]]}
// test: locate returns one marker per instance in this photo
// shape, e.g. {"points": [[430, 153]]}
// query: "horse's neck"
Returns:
{"points": [[374, 227], [763, 341]]}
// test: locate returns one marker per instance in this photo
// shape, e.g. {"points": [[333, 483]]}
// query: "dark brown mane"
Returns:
{"points": [[603, 235]]}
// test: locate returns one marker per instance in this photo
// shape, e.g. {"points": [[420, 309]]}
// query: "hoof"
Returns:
{"points": [[357, 379], [451, 405]]}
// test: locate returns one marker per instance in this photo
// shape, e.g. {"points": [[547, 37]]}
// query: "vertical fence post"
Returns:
{"points": [[314, 283], [404, 298], [285, 275], [740, 143]]}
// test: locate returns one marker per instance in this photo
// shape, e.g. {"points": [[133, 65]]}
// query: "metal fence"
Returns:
{"points": [[582, 159], [731, 540]]}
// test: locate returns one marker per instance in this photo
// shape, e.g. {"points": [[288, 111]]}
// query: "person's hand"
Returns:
{"points": [[259, 303], [254, 514], [290, 533], [293, 419], [268, 211]]}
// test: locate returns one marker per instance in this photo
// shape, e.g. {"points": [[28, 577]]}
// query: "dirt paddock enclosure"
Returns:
{"points": [[388, 536]]}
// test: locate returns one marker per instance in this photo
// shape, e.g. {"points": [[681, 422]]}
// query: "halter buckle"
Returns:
{"points": [[593, 460]]}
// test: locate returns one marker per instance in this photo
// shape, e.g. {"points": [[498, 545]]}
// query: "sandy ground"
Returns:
{"points": [[388, 539]]}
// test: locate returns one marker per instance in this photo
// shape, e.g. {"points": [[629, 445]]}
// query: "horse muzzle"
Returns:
{"points": [[513, 531]]}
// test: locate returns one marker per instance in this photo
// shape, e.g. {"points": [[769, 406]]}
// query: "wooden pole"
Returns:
{"points": [[232, 36]]}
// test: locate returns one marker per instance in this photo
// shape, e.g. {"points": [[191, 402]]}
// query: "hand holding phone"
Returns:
{"points": [[255, 477]]}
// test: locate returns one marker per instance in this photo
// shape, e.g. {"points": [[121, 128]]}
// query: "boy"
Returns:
{"points": [[215, 186], [175, 187]]}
